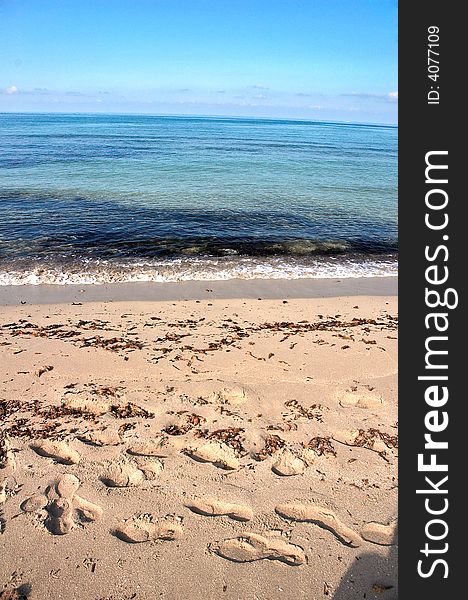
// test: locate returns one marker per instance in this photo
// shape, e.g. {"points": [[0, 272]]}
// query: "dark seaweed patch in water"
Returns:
{"points": [[63, 228]]}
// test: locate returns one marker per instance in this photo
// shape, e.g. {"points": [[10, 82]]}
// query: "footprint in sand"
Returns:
{"points": [[7, 465], [57, 450], [64, 509], [154, 447], [288, 464], [144, 528], [216, 453], [354, 398], [308, 456], [372, 439], [129, 474], [151, 468], [378, 533], [235, 395], [92, 406], [102, 438], [323, 517], [216, 508], [251, 547]]}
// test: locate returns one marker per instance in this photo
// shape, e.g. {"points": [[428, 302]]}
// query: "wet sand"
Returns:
{"points": [[198, 290]]}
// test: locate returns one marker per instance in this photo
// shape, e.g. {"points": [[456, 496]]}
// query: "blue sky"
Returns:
{"points": [[315, 59]]}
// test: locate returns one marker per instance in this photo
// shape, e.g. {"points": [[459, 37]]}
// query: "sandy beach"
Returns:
{"points": [[199, 440]]}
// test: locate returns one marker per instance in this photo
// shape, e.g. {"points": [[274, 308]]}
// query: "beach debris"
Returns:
{"points": [[23, 427], [96, 400], [104, 391], [272, 444], [73, 333], [9, 407], [372, 439], [7, 465], [321, 446], [130, 410], [379, 588], [188, 422], [231, 437], [113, 344], [297, 411], [34, 420], [231, 333]]}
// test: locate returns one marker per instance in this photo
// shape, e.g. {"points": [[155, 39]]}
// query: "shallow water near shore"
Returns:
{"points": [[114, 198]]}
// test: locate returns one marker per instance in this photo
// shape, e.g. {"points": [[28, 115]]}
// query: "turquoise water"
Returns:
{"points": [[97, 198]]}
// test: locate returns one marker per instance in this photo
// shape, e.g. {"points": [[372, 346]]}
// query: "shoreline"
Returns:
{"points": [[268, 289]]}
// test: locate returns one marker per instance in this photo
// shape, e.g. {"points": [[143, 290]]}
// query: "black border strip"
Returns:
{"points": [[430, 123]]}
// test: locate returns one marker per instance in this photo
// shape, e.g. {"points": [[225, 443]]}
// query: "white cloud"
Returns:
{"points": [[12, 89]]}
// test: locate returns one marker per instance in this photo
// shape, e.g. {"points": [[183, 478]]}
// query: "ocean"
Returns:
{"points": [[115, 198]]}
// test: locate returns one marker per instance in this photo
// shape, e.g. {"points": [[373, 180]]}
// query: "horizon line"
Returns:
{"points": [[203, 116]]}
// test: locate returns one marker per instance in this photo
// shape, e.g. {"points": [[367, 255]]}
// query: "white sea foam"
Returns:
{"points": [[102, 272]]}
